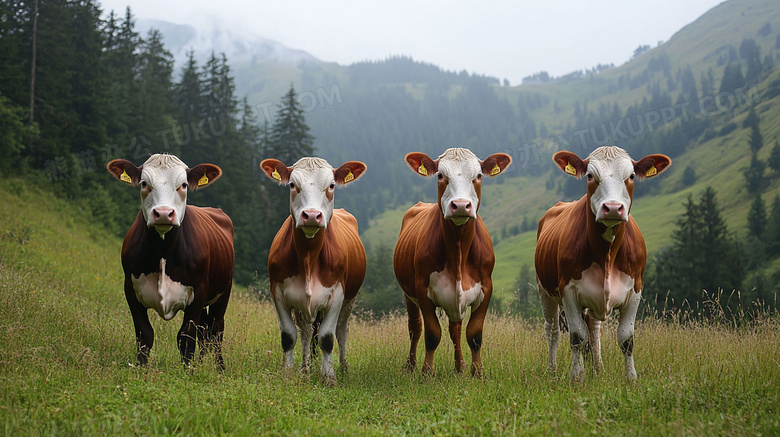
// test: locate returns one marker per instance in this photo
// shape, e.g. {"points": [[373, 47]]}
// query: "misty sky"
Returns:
{"points": [[506, 39]]}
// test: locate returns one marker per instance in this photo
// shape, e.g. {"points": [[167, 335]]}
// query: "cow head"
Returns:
{"points": [[459, 173], [312, 182], [611, 175], [164, 181]]}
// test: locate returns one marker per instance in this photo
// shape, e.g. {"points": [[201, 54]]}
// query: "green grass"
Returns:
{"points": [[67, 363]]}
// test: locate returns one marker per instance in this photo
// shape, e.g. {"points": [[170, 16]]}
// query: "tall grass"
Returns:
{"points": [[67, 363]]}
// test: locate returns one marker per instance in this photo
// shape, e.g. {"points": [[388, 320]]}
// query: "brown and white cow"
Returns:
{"points": [[444, 255], [317, 262], [590, 255], [176, 257]]}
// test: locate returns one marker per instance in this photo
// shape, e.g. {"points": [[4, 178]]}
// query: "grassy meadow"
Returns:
{"points": [[67, 363]]}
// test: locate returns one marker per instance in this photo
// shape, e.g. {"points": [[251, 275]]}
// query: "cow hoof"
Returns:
{"points": [[477, 372], [428, 371], [329, 379], [409, 366]]}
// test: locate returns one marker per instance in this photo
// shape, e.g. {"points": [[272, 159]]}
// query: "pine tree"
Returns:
{"points": [[732, 78], [773, 229], [703, 256], [757, 218], [155, 97], [290, 138], [754, 175], [774, 157]]}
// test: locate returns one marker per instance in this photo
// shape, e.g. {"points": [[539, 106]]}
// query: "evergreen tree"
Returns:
{"points": [[774, 157], [754, 175], [757, 218], [290, 137], [773, 229], [155, 97], [756, 140], [732, 78], [703, 255]]}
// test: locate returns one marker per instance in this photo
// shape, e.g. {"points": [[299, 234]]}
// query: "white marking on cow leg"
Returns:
{"points": [[287, 329], [342, 331], [327, 334], [551, 328], [307, 331], [595, 344], [625, 334], [578, 332]]}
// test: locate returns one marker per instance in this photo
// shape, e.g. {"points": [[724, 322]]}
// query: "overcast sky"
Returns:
{"points": [[506, 39]]}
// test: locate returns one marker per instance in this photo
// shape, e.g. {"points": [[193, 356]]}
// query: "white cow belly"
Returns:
{"points": [[451, 296], [601, 296], [307, 299], [161, 293]]}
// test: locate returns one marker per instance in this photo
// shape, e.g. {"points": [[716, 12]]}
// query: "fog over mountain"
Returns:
{"points": [[217, 37]]}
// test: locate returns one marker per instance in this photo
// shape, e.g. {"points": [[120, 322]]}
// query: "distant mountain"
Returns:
{"points": [[218, 38]]}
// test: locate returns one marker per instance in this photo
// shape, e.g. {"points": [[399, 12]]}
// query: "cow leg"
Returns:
{"points": [[578, 334], [415, 330], [432, 333], [327, 335], [287, 329], [594, 343], [625, 334], [455, 336], [342, 330], [203, 333], [187, 337], [216, 327], [144, 333], [551, 327], [474, 331], [307, 331]]}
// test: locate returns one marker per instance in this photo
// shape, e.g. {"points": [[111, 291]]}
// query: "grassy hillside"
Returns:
{"points": [[67, 363]]}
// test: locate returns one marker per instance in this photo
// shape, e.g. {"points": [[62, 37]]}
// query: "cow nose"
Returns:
{"points": [[163, 215], [311, 218], [613, 210], [460, 207]]}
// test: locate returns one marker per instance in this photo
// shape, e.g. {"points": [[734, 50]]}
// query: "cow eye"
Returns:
{"points": [[589, 176], [184, 185], [332, 185], [143, 184], [632, 177], [292, 185], [440, 176], [479, 176]]}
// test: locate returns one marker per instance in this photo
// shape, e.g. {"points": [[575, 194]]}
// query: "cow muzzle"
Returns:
{"points": [[163, 220], [612, 213], [311, 221], [460, 211]]}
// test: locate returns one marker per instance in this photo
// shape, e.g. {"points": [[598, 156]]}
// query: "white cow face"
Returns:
{"points": [[611, 175], [164, 181], [459, 173], [312, 182]]}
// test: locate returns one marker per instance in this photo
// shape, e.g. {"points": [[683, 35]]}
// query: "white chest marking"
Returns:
{"points": [[450, 295], [308, 298], [161, 293], [601, 295]]}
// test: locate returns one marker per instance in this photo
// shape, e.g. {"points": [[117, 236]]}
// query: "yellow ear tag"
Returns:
{"points": [[349, 177], [422, 170], [570, 169], [651, 172], [124, 177], [203, 181], [276, 176], [496, 170]]}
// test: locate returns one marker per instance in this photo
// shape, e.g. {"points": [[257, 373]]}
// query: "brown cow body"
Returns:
{"points": [[176, 257], [590, 255], [444, 256], [317, 262]]}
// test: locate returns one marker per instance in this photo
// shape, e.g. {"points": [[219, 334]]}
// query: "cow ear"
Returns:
{"points": [[651, 165], [571, 164], [348, 172], [422, 164], [494, 164], [276, 170], [125, 171], [203, 175]]}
